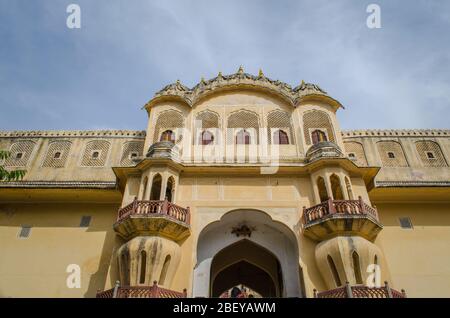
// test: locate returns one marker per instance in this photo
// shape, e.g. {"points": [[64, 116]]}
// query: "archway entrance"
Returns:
{"points": [[247, 247], [246, 263]]}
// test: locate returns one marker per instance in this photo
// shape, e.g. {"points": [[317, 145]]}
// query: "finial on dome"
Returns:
{"points": [[178, 82], [202, 80], [220, 74], [261, 74], [302, 83], [241, 69]]}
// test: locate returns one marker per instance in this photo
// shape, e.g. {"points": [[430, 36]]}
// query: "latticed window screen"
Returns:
{"points": [[242, 119], [168, 120], [430, 154], [95, 153], [129, 148], [386, 147], [203, 121], [281, 120], [57, 154], [357, 149], [317, 119], [20, 153], [208, 119]]}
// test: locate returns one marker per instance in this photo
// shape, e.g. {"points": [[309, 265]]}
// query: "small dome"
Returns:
{"points": [[324, 149], [163, 149]]}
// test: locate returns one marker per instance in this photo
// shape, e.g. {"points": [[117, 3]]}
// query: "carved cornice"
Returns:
{"points": [[73, 133], [388, 184], [60, 184], [240, 79], [397, 133]]}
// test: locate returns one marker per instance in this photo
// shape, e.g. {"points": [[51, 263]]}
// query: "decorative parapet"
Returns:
{"points": [[154, 217], [397, 133], [240, 79], [72, 133], [341, 217], [140, 292], [359, 291]]}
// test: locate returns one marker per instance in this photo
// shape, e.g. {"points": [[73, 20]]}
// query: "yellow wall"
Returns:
{"points": [[36, 266], [418, 259]]}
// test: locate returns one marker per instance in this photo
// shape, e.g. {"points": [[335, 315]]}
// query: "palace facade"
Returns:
{"points": [[240, 180]]}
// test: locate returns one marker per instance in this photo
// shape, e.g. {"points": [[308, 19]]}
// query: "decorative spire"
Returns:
{"points": [[261, 74], [240, 70], [219, 75]]}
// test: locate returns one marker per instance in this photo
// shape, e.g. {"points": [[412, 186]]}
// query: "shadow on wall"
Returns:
{"points": [[307, 248]]}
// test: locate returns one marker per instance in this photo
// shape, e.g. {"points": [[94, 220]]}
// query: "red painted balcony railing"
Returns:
{"points": [[140, 292], [339, 207], [359, 291], [164, 207]]}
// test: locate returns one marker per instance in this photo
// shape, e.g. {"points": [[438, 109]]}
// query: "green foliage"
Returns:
{"points": [[9, 175]]}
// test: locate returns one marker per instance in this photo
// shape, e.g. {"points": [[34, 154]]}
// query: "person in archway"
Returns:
{"points": [[243, 293], [235, 292]]}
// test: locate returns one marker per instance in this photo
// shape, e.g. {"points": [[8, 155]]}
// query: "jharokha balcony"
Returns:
{"points": [[147, 218], [360, 291], [341, 217], [140, 292]]}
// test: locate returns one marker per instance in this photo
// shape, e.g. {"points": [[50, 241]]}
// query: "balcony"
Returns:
{"points": [[153, 218], [360, 291], [140, 292], [341, 217]]}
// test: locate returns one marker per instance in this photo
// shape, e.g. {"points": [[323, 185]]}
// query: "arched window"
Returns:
{"points": [[207, 138], [318, 136], [167, 135], [322, 189], [357, 268], [334, 271], [144, 189], [349, 189], [243, 137], [336, 187], [165, 267], [280, 137], [125, 271], [156, 188], [170, 189], [143, 267]]}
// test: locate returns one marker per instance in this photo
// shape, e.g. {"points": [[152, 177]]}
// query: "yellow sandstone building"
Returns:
{"points": [[238, 180]]}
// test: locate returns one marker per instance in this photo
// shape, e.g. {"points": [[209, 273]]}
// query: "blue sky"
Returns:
{"points": [[99, 76]]}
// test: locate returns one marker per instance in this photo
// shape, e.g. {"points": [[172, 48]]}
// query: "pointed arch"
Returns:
{"points": [[279, 120], [156, 187], [336, 189], [334, 271], [170, 189], [144, 188], [143, 262], [349, 189], [162, 276], [246, 120], [280, 137], [318, 136], [357, 268], [323, 195], [168, 120]]}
